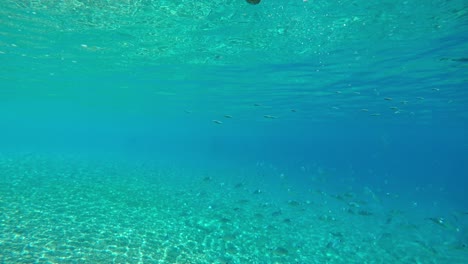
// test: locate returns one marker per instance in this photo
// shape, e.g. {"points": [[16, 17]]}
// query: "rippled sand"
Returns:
{"points": [[63, 210]]}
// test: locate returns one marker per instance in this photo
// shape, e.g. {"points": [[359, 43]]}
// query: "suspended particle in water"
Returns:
{"points": [[253, 2]]}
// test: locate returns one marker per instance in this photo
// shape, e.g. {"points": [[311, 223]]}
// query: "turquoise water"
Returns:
{"points": [[141, 131]]}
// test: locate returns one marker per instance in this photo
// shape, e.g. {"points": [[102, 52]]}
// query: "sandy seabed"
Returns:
{"points": [[66, 210]]}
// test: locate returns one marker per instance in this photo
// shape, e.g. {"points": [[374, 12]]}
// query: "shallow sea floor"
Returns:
{"points": [[69, 210]]}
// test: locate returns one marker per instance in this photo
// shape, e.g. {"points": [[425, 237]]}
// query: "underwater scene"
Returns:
{"points": [[234, 131]]}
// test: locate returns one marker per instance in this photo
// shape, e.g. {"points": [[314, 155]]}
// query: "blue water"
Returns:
{"points": [[329, 127]]}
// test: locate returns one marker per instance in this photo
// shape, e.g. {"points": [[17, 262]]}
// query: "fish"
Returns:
{"points": [[239, 185], [207, 178], [293, 203], [217, 122], [365, 212], [276, 213], [257, 191], [454, 59], [437, 220], [280, 251]]}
